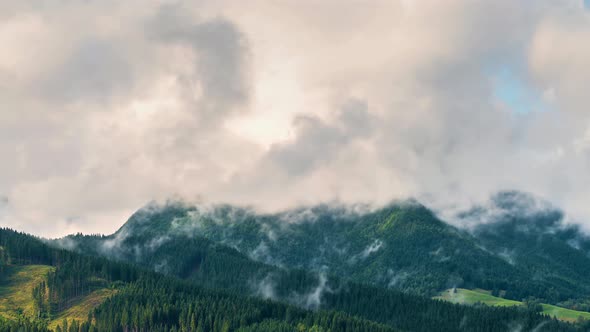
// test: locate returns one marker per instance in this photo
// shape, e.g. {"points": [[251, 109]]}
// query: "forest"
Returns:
{"points": [[149, 301]]}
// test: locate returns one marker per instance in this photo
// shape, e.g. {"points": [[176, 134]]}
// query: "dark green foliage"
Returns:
{"points": [[163, 304], [22, 325], [75, 275], [413, 313], [152, 302], [402, 246], [539, 244], [214, 295], [576, 304], [217, 266]]}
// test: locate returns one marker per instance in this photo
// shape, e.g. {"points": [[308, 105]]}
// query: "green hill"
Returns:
{"points": [[402, 246], [530, 234], [82, 306], [16, 289], [466, 296], [16, 295], [216, 268], [146, 300], [51, 284]]}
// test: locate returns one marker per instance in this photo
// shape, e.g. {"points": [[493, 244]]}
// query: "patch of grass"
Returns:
{"points": [[16, 289], [16, 295], [564, 314], [82, 306], [466, 296], [389, 222]]}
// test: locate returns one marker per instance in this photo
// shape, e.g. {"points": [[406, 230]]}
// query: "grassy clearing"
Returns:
{"points": [[16, 290], [16, 295], [79, 311], [466, 296], [564, 314]]}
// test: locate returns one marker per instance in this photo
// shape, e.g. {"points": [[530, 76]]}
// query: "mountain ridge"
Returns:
{"points": [[402, 245], [150, 301]]}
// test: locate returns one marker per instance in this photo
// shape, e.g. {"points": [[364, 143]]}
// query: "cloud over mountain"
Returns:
{"points": [[107, 105]]}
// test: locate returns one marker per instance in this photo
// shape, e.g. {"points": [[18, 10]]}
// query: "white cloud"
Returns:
{"points": [[107, 105]]}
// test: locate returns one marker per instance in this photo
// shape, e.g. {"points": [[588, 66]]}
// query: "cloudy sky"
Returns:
{"points": [[107, 105]]}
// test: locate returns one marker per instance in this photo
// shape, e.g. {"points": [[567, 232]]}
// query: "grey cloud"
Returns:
{"points": [[396, 279], [4, 202], [96, 70], [356, 119], [313, 299], [221, 54], [398, 104], [317, 141], [375, 246], [99, 111], [221, 61], [265, 288]]}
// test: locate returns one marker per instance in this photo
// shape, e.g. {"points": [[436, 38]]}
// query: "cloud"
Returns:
{"points": [[113, 107], [318, 142], [72, 81], [220, 55], [265, 288], [108, 105], [370, 249]]}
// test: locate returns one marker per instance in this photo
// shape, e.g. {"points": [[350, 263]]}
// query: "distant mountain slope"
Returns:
{"points": [[17, 299], [57, 284], [531, 235], [478, 296], [16, 289], [147, 301], [216, 266], [401, 246]]}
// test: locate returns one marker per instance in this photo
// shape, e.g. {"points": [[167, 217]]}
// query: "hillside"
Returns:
{"points": [[530, 234], [67, 286], [81, 307], [150, 301], [466, 296], [402, 246], [16, 289], [17, 299]]}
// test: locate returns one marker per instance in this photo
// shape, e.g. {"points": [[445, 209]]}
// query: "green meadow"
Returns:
{"points": [[16, 295], [467, 296], [16, 291]]}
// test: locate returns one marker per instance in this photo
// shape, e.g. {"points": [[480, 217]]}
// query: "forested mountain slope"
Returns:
{"points": [[402, 246], [146, 301], [532, 235], [153, 302]]}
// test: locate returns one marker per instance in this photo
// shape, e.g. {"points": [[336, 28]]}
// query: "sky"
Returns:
{"points": [[108, 105]]}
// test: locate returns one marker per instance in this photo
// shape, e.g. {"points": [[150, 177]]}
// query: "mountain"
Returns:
{"points": [[402, 246], [141, 300], [532, 235], [177, 267]]}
